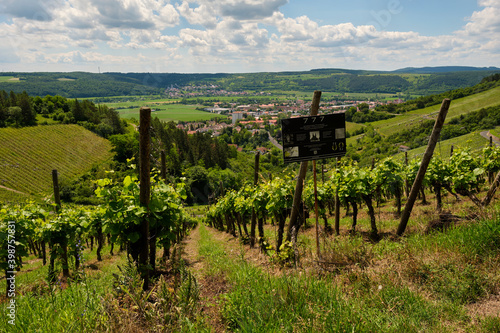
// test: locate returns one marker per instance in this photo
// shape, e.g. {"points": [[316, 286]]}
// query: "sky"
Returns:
{"points": [[239, 36]]}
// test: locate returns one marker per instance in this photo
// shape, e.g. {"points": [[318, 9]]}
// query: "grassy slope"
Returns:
{"points": [[28, 155], [458, 107], [474, 141], [351, 127], [496, 131]]}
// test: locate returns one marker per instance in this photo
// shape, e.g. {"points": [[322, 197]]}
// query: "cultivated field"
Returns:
{"points": [[473, 141], [28, 155]]}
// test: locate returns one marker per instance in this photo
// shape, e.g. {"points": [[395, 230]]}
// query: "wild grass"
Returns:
{"points": [[417, 283], [297, 301], [104, 296], [69, 305], [422, 282], [496, 131]]}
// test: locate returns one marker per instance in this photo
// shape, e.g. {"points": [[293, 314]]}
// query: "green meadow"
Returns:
{"points": [[8, 79], [170, 112]]}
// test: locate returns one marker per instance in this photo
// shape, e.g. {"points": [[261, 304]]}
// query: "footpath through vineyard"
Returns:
{"points": [[213, 286], [418, 284]]}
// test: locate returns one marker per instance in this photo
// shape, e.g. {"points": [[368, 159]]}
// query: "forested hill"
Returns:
{"points": [[73, 85], [444, 69], [412, 81]]}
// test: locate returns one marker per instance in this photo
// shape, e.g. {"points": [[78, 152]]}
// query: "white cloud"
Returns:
{"points": [[225, 35], [202, 15], [30, 9], [248, 9], [135, 14], [486, 21]]}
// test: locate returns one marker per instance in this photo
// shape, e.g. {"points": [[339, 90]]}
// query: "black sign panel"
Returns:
{"points": [[313, 137]]}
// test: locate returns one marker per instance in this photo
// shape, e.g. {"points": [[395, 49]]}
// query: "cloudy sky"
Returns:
{"points": [[188, 36]]}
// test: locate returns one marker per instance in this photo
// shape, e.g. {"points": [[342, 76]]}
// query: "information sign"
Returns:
{"points": [[313, 137]]}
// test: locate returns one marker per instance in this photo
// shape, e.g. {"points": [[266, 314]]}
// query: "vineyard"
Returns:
{"points": [[327, 250], [366, 278], [459, 107], [29, 154], [57, 236], [463, 174]]}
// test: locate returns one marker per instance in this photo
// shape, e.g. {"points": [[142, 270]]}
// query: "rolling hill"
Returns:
{"points": [[28, 155], [458, 107], [412, 81], [406, 128]]}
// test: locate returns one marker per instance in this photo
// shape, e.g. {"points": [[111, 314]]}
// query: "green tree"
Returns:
{"points": [[28, 115], [77, 111]]}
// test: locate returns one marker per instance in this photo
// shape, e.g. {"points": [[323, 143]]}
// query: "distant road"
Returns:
{"points": [[485, 135], [274, 142]]}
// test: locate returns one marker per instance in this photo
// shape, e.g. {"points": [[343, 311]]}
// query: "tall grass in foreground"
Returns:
{"points": [[300, 302], [76, 307]]}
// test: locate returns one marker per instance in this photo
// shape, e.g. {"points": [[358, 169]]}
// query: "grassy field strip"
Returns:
{"points": [[350, 127], [28, 155], [298, 301], [9, 79], [458, 107], [171, 113]]}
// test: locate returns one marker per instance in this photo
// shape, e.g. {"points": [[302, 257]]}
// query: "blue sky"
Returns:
{"points": [[209, 36]]}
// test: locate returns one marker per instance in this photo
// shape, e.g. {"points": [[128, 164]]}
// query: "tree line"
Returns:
{"points": [[20, 110], [81, 84], [76, 85]]}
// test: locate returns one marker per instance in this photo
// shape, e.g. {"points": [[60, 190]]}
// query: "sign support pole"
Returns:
{"points": [[302, 175], [316, 208]]}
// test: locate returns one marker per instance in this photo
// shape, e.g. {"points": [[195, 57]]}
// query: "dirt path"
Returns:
{"points": [[190, 252], [10, 189], [212, 287], [487, 135]]}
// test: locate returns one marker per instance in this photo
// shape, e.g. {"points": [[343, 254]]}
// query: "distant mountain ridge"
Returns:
{"points": [[443, 69], [411, 80]]}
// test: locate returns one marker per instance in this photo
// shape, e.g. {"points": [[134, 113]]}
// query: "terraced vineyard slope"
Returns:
{"points": [[458, 107], [28, 156]]}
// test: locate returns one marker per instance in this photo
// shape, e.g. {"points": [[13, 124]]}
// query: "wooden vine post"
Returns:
{"points": [[337, 203], [301, 176], [316, 209], [163, 165], [64, 243], [491, 192], [417, 184], [254, 215], [144, 194], [57, 196]]}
